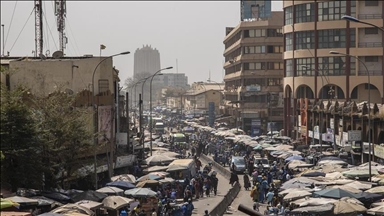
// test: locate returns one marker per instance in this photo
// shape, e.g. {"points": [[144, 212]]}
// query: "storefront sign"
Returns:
{"points": [[332, 123], [255, 87], [354, 135]]}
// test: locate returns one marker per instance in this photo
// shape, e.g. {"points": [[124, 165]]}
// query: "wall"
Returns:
{"points": [[44, 77]]}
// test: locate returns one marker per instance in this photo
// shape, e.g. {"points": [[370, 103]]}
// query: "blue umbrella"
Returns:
{"points": [[294, 157], [121, 184]]}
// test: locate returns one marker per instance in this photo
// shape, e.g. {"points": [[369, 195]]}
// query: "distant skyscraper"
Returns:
{"points": [[255, 9], [146, 60]]}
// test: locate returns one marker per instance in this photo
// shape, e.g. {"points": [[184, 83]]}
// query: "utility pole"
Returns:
{"points": [[141, 138], [2, 26], [61, 13], [38, 28], [127, 117]]}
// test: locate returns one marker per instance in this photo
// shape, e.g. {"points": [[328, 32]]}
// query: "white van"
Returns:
{"points": [[159, 128]]}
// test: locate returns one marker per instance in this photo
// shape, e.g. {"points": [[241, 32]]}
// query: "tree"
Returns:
{"points": [[66, 135], [22, 165]]}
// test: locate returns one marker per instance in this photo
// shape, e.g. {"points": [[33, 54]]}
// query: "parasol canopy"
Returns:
{"points": [[124, 185], [376, 190], [336, 193], [116, 202], [110, 190], [347, 188], [140, 192], [89, 204], [23, 201], [125, 177], [147, 183], [294, 157], [297, 195], [72, 208], [6, 203], [313, 201], [344, 207], [89, 195], [376, 211], [158, 159], [149, 177], [155, 169]]}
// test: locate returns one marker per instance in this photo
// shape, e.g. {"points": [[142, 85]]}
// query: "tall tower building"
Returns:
{"points": [[146, 60], [255, 9]]}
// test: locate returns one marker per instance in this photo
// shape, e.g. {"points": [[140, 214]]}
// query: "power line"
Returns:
{"points": [[22, 29], [45, 17], [10, 24], [73, 36]]}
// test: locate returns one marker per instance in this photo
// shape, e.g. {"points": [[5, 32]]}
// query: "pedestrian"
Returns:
{"points": [[234, 178], [206, 213], [247, 183], [269, 197]]}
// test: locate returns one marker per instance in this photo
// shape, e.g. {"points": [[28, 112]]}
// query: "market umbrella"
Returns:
{"points": [[124, 177], [140, 192], [158, 159], [323, 209], [155, 169], [147, 183], [336, 193], [124, 185], [287, 191], [59, 197], [313, 174], [149, 177], [6, 203], [294, 157], [167, 180], [353, 174], [377, 204], [371, 196], [70, 209], [297, 195], [44, 201], [359, 185], [376, 211], [344, 207], [313, 201], [332, 162], [347, 188], [50, 214], [89, 204], [89, 195], [376, 190], [23, 201], [110, 190], [258, 147], [295, 163], [116, 202]]}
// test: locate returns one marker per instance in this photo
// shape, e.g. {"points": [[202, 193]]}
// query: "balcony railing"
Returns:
{"points": [[371, 44], [370, 16], [363, 72]]}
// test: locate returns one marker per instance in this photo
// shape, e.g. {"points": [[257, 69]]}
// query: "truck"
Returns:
{"points": [[159, 128], [179, 139]]}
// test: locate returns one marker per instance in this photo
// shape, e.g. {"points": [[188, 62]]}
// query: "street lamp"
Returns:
{"points": [[369, 106], [95, 130], [354, 19], [150, 103]]}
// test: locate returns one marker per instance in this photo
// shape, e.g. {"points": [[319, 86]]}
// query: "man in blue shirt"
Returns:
{"points": [[190, 208]]}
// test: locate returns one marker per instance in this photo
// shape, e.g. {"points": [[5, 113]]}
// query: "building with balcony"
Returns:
{"points": [[311, 30], [201, 94], [254, 74], [321, 90]]}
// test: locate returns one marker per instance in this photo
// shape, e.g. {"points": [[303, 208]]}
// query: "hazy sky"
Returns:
{"points": [[190, 31]]}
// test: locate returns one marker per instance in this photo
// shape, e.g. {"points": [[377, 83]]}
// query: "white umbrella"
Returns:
{"points": [[124, 177], [359, 185], [377, 190], [296, 195], [158, 159], [376, 211], [310, 201], [290, 190], [116, 202], [110, 190]]}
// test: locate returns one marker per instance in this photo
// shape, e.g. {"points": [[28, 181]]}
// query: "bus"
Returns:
{"points": [[179, 139], [159, 128]]}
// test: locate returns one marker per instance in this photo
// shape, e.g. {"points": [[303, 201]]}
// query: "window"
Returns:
{"points": [[255, 33], [332, 10], [304, 67], [371, 59], [305, 40], [304, 13], [369, 31], [274, 81], [352, 37], [289, 68], [371, 3], [278, 49], [288, 15], [254, 50], [288, 42], [274, 32], [334, 38], [278, 65], [332, 66]]}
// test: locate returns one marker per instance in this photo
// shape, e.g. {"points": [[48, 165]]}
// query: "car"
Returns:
{"points": [[264, 161], [239, 163]]}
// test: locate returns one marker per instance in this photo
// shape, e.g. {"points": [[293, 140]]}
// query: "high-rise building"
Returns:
{"points": [[253, 10], [174, 80], [311, 31], [146, 60], [254, 74]]}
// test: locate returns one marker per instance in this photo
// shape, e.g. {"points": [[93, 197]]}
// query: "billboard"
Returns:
{"points": [[105, 122], [211, 113], [255, 127]]}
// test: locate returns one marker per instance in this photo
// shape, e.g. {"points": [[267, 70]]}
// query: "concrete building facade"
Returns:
{"points": [[255, 9], [254, 73], [174, 80], [314, 28], [146, 60]]}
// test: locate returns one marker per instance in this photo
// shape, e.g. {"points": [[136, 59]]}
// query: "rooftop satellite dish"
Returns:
{"points": [[58, 54], [42, 57]]}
